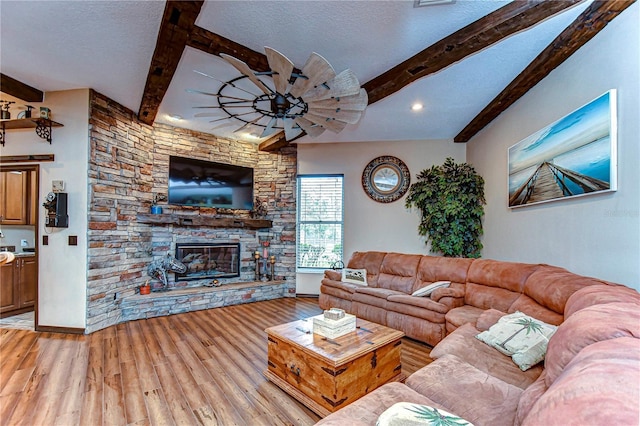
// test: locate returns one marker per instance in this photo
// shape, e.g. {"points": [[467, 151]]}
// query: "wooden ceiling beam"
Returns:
{"points": [[19, 90], [512, 18], [580, 31], [177, 24], [215, 44]]}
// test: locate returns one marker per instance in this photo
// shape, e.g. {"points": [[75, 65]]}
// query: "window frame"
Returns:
{"points": [[299, 222]]}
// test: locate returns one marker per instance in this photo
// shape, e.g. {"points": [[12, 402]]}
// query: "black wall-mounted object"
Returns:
{"points": [[56, 205]]}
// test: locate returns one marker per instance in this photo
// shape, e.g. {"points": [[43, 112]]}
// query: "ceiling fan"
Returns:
{"points": [[313, 100]]}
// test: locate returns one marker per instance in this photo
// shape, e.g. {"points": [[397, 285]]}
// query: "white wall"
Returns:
{"points": [[597, 235], [62, 269], [370, 225]]}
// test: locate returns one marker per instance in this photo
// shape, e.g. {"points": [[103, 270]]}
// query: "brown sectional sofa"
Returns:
{"points": [[591, 373]]}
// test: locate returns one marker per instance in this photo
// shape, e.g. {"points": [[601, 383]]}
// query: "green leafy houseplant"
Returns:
{"points": [[450, 198]]}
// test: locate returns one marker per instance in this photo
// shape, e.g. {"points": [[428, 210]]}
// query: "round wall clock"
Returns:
{"points": [[386, 179]]}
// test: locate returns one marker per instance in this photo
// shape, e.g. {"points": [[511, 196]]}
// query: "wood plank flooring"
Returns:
{"points": [[197, 368]]}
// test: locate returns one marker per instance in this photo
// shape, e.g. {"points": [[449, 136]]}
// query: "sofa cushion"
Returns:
{"points": [[488, 318], [598, 295], [598, 387], [587, 326], [496, 284], [551, 287], [431, 331], [467, 391], [424, 311], [530, 307], [434, 268], [529, 397], [407, 414], [520, 336], [463, 344], [398, 271], [340, 285], [366, 410], [463, 315], [369, 260]]}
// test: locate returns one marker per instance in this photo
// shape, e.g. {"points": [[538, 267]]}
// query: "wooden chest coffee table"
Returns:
{"points": [[328, 374]]}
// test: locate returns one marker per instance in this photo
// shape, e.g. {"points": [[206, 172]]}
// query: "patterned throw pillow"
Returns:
{"points": [[521, 337], [408, 414], [354, 276]]}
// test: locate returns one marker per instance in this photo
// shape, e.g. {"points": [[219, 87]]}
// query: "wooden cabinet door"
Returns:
{"points": [[8, 287], [27, 281], [14, 197]]}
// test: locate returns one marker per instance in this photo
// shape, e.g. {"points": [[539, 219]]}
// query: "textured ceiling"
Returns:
{"points": [[107, 45]]}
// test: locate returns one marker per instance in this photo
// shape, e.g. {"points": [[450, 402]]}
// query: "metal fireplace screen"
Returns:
{"points": [[208, 261]]}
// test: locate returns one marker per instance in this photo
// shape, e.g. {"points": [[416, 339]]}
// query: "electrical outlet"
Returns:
{"points": [[24, 243]]}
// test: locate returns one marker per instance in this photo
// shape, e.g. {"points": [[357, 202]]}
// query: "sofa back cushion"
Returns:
{"points": [[552, 286], [398, 271], [587, 326], [369, 260], [599, 294], [598, 387], [496, 284], [433, 269]]}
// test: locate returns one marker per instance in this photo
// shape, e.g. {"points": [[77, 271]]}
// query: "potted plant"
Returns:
{"points": [[450, 198]]}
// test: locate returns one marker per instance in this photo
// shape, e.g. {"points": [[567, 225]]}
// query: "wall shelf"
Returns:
{"points": [[212, 222], [42, 125]]}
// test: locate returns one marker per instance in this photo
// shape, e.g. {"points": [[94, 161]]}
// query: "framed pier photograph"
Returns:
{"points": [[572, 157]]}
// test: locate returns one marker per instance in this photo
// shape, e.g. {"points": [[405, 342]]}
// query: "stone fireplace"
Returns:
{"points": [[128, 168], [208, 260]]}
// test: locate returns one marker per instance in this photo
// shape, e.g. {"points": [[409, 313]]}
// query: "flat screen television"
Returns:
{"points": [[209, 184]]}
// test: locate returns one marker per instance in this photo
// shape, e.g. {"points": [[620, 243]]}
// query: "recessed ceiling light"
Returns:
{"points": [[175, 117], [417, 106]]}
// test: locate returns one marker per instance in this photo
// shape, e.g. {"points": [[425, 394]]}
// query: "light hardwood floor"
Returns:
{"points": [[201, 367]]}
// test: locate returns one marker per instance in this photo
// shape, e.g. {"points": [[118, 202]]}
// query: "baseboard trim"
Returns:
{"points": [[315, 296], [67, 330]]}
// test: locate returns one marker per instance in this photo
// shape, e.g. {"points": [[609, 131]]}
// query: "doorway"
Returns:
{"points": [[19, 217]]}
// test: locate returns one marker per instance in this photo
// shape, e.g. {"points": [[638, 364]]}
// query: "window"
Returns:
{"points": [[320, 221]]}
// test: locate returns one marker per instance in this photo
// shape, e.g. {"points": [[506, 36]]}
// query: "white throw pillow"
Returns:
{"points": [[521, 337], [426, 291], [409, 414], [354, 276]]}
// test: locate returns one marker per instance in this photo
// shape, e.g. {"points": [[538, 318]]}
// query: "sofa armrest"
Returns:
{"points": [[333, 274], [451, 297]]}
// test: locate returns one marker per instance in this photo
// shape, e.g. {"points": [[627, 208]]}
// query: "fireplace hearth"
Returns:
{"points": [[208, 260]]}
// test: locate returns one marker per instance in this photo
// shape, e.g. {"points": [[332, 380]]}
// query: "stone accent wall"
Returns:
{"points": [[128, 165]]}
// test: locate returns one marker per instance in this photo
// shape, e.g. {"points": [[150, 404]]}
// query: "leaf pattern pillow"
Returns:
{"points": [[521, 337], [408, 414]]}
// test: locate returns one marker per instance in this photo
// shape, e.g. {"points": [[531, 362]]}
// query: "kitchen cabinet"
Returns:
{"points": [[18, 197], [18, 281]]}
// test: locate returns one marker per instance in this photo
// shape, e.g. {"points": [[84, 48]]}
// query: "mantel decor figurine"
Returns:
{"points": [[159, 268]]}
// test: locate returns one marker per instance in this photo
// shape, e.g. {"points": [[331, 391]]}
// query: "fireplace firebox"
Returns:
{"points": [[208, 260]]}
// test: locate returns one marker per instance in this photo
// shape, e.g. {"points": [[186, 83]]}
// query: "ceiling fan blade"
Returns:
{"points": [[217, 95], [344, 84], [206, 114], [271, 128], [225, 82], [329, 123], [248, 124], [310, 128], [291, 132], [233, 116], [245, 70], [317, 70], [282, 66], [351, 117], [357, 102], [228, 123]]}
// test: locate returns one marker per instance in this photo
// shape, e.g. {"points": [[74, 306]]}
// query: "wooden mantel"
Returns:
{"points": [[212, 222]]}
